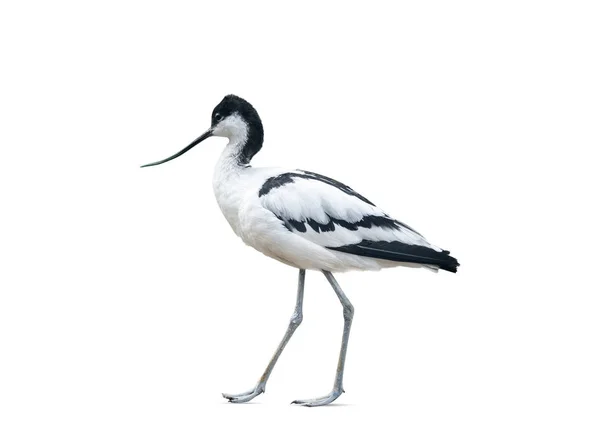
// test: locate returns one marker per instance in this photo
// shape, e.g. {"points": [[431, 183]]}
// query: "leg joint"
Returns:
{"points": [[348, 311], [296, 319]]}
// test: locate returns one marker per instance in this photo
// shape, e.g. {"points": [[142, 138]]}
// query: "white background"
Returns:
{"points": [[128, 305]]}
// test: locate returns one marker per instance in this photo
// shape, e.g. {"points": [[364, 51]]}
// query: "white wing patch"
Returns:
{"points": [[330, 217], [306, 198]]}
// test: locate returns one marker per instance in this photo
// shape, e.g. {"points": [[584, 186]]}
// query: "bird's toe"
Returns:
{"points": [[320, 401], [244, 396]]}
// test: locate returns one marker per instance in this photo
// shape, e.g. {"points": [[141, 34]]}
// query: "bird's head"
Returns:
{"points": [[233, 118]]}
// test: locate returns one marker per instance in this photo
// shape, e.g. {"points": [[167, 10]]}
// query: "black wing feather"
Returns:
{"points": [[401, 252], [285, 178]]}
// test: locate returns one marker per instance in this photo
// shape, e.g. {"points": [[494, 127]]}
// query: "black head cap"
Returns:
{"points": [[232, 104]]}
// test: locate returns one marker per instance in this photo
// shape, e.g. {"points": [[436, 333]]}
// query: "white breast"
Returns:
{"points": [[227, 186], [236, 187]]}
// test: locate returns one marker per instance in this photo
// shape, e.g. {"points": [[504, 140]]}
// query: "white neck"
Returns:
{"points": [[227, 181], [236, 130], [229, 166], [229, 160]]}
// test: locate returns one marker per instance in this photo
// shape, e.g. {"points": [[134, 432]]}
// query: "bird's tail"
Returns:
{"points": [[402, 252]]}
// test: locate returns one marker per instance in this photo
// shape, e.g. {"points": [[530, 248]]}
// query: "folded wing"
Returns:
{"points": [[334, 216]]}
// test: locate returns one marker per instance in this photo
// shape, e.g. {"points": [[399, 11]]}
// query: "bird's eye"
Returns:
{"points": [[218, 117]]}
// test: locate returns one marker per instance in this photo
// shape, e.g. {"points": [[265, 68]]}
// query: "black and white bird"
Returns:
{"points": [[307, 221]]}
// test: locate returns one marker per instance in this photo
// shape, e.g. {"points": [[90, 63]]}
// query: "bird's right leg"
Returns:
{"points": [[294, 323]]}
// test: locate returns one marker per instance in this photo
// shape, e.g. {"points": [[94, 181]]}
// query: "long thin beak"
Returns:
{"points": [[196, 141]]}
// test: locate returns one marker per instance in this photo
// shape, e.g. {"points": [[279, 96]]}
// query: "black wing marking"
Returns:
{"points": [[344, 188], [366, 222], [401, 252], [285, 178]]}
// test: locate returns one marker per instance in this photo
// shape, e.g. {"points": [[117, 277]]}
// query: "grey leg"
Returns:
{"points": [[294, 323], [339, 374]]}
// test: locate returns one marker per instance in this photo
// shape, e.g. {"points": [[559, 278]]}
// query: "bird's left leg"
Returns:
{"points": [[294, 323]]}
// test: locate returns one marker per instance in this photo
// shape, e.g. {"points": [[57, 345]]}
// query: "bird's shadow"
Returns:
{"points": [[298, 406]]}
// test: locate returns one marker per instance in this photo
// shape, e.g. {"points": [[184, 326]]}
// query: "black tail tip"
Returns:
{"points": [[450, 266]]}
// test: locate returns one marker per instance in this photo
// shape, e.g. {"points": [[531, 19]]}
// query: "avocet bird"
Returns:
{"points": [[307, 221]]}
